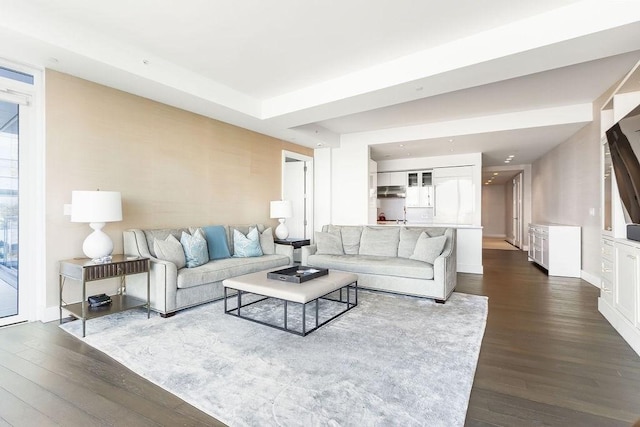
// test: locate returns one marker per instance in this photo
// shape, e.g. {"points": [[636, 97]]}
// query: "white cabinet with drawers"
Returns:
{"points": [[556, 248], [608, 270]]}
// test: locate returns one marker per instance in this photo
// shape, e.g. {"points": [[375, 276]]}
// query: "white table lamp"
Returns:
{"points": [[96, 208], [282, 210]]}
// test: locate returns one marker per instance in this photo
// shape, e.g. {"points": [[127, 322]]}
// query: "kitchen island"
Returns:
{"points": [[468, 243]]}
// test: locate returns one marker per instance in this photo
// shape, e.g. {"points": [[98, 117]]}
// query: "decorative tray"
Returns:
{"points": [[297, 274]]}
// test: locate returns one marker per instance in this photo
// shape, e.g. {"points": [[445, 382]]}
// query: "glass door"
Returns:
{"points": [[9, 140], [15, 122]]}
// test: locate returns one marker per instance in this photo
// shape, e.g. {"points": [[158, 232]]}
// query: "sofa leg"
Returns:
{"points": [[165, 315], [440, 301]]}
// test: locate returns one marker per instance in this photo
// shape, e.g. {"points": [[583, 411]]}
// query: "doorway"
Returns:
{"points": [[516, 211], [297, 187]]}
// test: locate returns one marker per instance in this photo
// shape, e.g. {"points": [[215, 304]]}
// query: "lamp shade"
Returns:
{"points": [[96, 206], [281, 209]]}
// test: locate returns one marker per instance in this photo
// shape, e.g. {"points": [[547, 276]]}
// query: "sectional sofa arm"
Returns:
{"points": [[445, 267], [163, 274], [306, 251], [285, 250]]}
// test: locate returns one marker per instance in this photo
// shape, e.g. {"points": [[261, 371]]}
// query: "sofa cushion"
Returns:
{"points": [[217, 244], [428, 248], [329, 243], [408, 239], [350, 234], [267, 244], [161, 234], [380, 241], [370, 264], [246, 246], [170, 249], [195, 248], [218, 270]]}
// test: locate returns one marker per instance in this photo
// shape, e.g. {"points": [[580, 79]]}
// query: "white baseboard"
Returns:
{"points": [[590, 278], [470, 268], [630, 333], [50, 314]]}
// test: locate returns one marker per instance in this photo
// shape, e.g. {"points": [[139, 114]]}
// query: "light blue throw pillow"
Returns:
{"points": [[195, 248], [217, 243], [246, 246]]}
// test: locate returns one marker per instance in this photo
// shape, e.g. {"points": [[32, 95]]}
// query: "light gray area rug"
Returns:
{"points": [[392, 360]]}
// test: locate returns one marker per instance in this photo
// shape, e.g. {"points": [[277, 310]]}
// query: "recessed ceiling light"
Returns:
{"points": [[319, 144], [495, 173], [145, 61], [401, 145], [451, 140], [507, 161]]}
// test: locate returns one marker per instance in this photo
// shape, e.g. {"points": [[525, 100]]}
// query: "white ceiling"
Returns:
{"points": [[495, 76]]}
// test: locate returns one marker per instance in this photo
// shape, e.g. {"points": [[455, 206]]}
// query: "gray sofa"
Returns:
{"points": [[174, 289], [381, 256]]}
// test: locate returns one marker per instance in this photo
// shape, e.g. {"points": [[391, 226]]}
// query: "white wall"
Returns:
{"points": [[566, 189], [494, 219], [349, 185], [322, 188]]}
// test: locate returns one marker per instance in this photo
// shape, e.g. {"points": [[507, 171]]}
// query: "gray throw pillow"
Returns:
{"points": [[428, 248], [350, 238], [266, 242], [408, 239], [380, 241], [328, 243], [170, 249]]}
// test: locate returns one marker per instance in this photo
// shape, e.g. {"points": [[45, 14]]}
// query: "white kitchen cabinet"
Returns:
{"points": [[627, 267], [556, 248], [386, 179], [454, 195], [608, 270], [419, 189]]}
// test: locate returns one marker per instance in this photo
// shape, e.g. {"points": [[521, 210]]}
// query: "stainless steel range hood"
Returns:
{"points": [[392, 191]]}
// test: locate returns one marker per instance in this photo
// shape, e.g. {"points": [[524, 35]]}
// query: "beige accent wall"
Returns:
{"points": [[174, 168], [566, 185]]}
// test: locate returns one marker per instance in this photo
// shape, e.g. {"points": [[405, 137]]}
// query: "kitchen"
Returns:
{"points": [[443, 195]]}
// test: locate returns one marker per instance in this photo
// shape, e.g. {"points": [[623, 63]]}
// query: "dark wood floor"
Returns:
{"points": [[548, 358]]}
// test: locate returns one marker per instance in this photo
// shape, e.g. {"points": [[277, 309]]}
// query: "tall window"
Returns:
{"points": [[16, 88]]}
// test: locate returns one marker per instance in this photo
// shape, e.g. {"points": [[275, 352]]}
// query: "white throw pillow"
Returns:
{"points": [[428, 248], [170, 249]]}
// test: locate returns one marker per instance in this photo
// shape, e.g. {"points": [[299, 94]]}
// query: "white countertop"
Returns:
{"points": [[430, 224]]}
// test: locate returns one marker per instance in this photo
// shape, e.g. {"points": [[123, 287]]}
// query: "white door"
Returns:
{"points": [[517, 211], [297, 186], [293, 190]]}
